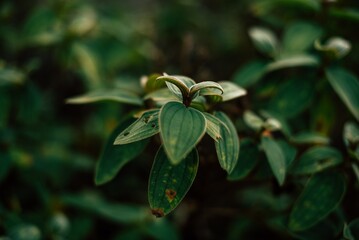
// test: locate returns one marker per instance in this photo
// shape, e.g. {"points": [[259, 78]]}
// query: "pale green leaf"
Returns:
{"points": [[214, 126], [276, 158], [204, 85], [335, 46], [346, 85], [321, 195], [161, 96], [168, 183], [181, 128], [351, 231], [176, 85], [114, 157], [264, 40], [228, 148], [231, 91], [253, 120], [309, 138], [144, 127], [293, 61], [118, 95], [317, 159]]}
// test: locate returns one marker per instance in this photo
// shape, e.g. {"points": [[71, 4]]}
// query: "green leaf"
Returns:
{"points": [[118, 95], [181, 129], [114, 157], [351, 231], [299, 37], [252, 120], [351, 133], [6, 163], [231, 91], [214, 126], [293, 61], [317, 159], [144, 127], [161, 96], [227, 149], [276, 158], [264, 40], [204, 85], [309, 138], [168, 183], [335, 46], [321, 195], [250, 73], [176, 85], [302, 90], [93, 203], [247, 160], [151, 84], [346, 85]]}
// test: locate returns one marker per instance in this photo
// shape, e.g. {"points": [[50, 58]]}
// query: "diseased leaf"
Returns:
{"points": [[214, 126], [144, 127], [168, 183], [227, 149], [181, 129], [247, 160], [250, 73], [264, 40], [276, 158], [317, 159], [321, 195], [114, 157], [346, 85], [231, 91], [118, 95]]}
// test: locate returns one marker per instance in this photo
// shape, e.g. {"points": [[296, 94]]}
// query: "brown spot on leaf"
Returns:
{"points": [[170, 194], [158, 212], [266, 133]]}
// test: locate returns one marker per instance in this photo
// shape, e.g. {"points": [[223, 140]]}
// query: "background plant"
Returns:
{"points": [[296, 59]]}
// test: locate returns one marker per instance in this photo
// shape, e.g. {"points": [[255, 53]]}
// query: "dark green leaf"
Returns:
{"points": [[247, 160], [114, 157], [276, 158], [309, 138], [228, 148], [144, 127], [181, 129], [168, 183], [317, 159], [161, 96], [299, 37], [118, 95], [321, 195], [250, 73], [346, 85], [5, 165]]}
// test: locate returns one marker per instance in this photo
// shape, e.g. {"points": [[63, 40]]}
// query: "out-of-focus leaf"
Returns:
{"points": [[351, 231], [276, 158], [321, 195], [181, 128], [231, 91], [83, 21], [309, 138], [299, 37], [145, 127], [288, 106], [121, 213], [162, 229], [228, 148], [289, 151], [114, 157], [264, 40], [335, 46], [11, 76], [317, 159], [349, 14], [346, 85], [322, 230], [351, 133], [161, 96], [25, 232], [264, 7], [150, 84], [252, 120], [293, 61], [247, 160], [5, 165], [168, 183], [250, 73], [272, 124], [118, 95], [276, 122]]}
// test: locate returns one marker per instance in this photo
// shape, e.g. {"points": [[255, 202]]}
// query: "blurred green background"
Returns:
{"points": [[51, 50]]}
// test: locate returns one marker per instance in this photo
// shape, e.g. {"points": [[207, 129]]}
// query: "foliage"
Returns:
{"points": [[86, 109]]}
